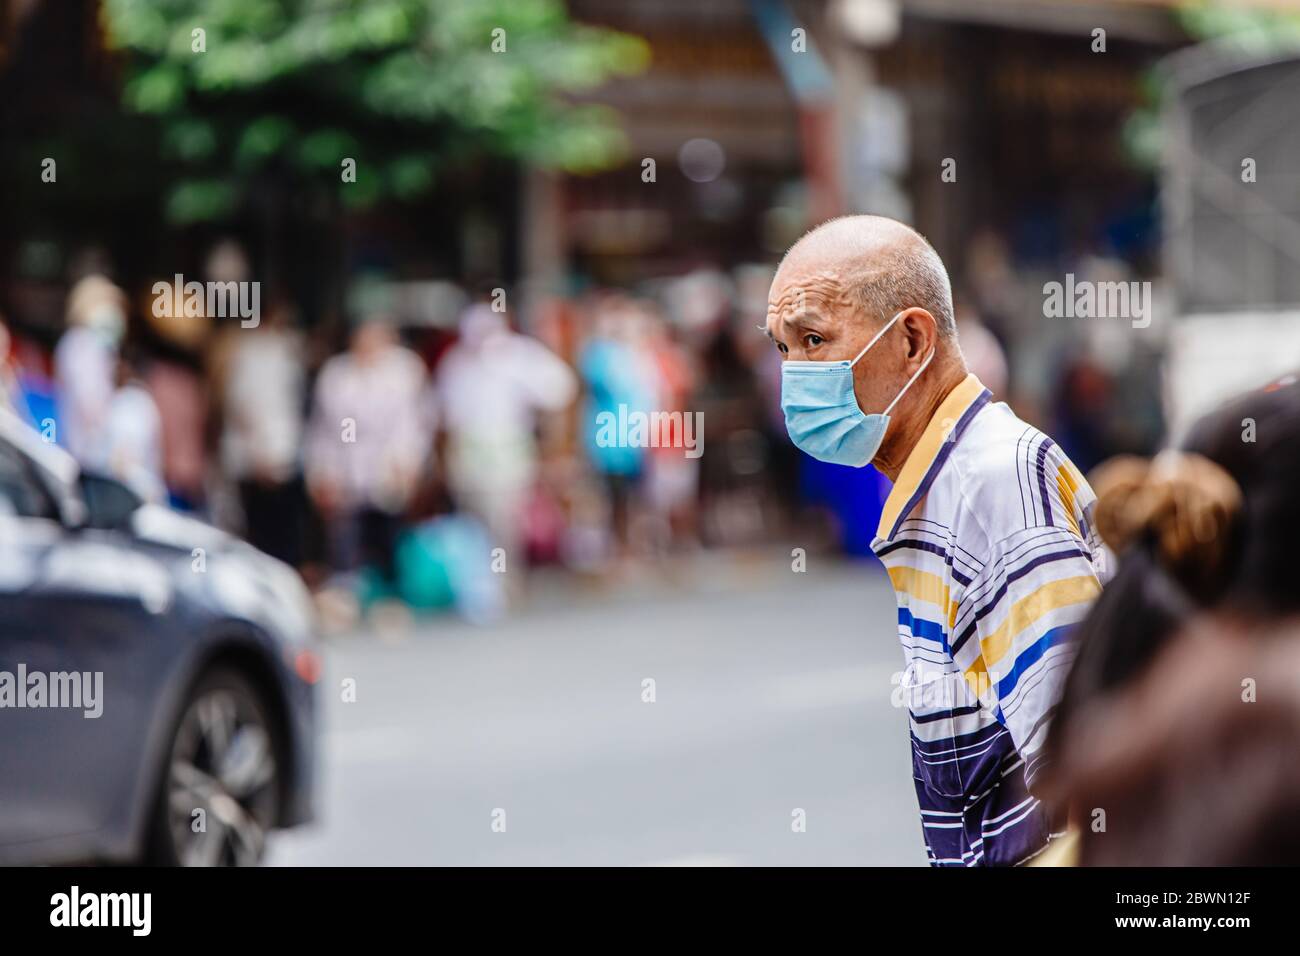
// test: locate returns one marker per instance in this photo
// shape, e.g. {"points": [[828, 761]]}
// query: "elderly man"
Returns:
{"points": [[987, 534]]}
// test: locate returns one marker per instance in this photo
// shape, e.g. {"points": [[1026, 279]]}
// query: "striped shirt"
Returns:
{"points": [[989, 542]]}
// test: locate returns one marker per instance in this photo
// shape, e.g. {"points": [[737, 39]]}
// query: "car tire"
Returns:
{"points": [[219, 790]]}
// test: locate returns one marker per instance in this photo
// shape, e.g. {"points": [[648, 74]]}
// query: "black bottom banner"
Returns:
{"points": [[922, 907]]}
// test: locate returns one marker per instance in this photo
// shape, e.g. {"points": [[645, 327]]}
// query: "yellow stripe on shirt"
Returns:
{"points": [[1049, 597], [923, 586], [1067, 486]]}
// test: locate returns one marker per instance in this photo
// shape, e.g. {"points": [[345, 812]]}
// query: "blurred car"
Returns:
{"points": [[197, 651]]}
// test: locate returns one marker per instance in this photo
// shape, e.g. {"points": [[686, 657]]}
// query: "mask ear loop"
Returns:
{"points": [[929, 358], [876, 338]]}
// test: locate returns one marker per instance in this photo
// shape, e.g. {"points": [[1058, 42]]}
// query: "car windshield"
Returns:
{"points": [[21, 492]]}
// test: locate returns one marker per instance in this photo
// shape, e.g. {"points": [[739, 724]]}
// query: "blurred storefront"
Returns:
{"points": [[1027, 100], [1013, 93], [714, 148]]}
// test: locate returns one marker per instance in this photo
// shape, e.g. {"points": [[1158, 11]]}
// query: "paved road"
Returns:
{"points": [[771, 694]]}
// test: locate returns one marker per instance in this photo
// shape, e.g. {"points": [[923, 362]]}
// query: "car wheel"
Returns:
{"points": [[219, 794]]}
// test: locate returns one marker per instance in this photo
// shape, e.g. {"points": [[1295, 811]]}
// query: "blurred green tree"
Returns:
{"points": [[290, 91]]}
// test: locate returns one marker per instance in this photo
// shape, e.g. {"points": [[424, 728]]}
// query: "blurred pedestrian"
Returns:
{"points": [[263, 391], [733, 480], [366, 444], [672, 476], [85, 365], [491, 387], [619, 379], [129, 442], [175, 342]]}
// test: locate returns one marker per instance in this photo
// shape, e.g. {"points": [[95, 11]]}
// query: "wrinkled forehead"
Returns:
{"points": [[799, 293]]}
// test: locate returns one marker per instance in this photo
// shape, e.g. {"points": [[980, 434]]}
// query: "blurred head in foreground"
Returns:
{"points": [[1175, 737]]}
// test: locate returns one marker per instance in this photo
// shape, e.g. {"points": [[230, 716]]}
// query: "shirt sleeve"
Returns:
{"points": [[1013, 630]]}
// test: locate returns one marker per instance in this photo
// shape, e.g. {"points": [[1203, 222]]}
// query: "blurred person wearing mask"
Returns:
{"points": [[367, 441], [1181, 713], [492, 386], [263, 390], [987, 534], [85, 365]]}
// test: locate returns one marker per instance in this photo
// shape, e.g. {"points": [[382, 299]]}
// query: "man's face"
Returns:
{"points": [[811, 319]]}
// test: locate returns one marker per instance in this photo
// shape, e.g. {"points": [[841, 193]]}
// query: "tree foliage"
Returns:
{"points": [[291, 88]]}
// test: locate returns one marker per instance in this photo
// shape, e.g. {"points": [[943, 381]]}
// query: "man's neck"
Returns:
{"points": [[907, 430]]}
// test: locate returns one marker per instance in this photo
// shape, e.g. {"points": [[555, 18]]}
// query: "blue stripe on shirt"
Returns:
{"points": [[920, 627], [1031, 655], [987, 607]]}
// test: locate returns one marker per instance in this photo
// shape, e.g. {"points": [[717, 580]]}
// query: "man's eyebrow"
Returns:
{"points": [[766, 331]]}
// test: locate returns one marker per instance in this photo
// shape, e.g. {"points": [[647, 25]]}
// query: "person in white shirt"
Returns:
{"points": [[491, 386], [263, 391], [366, 444], [85, 363], [128, 444]]}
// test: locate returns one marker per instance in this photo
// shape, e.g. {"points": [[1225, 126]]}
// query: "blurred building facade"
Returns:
{"points": [[1012, 92]]}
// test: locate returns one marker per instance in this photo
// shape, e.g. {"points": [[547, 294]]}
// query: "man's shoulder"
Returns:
{"points": [[994, 448], [1000, 468]]}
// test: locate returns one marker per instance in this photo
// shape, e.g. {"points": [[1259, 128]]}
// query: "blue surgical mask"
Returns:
{"points": [[822, 413]]}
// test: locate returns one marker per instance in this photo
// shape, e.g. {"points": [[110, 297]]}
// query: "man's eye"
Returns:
{"points": [[812, 341], [781, 347]]}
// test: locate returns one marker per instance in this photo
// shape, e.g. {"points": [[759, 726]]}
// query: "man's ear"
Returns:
{"points": [[922, 332]]}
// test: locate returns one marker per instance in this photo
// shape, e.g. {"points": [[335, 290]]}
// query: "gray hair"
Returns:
{"points": [[887, 266], [898, 279]]}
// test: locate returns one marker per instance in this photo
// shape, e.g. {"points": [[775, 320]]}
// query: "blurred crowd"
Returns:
{"points": [[390, 456]]}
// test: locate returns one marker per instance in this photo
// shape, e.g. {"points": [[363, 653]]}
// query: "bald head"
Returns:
{"points": [[880, 265]]}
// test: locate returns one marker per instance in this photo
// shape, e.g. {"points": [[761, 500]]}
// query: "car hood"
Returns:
{"points": [[243, 581], [159, 525]]}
